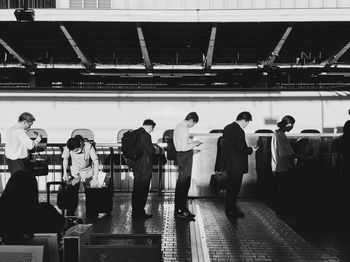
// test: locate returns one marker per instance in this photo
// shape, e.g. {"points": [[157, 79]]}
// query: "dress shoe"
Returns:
{"points": [[190, 213], [234, 213], [239, 213], [141, 216], [184, 214], [281, 216], [146, 216]]}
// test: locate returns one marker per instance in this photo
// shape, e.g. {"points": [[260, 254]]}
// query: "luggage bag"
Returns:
{"points": [[99, 200]]}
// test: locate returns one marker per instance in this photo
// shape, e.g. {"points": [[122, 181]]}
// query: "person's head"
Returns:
{"points": [[244, 118], [149, 125], [21, 183], [81, 139], [26, 119], [346, 128], [74, 144], [286, 124], [191, 119]]}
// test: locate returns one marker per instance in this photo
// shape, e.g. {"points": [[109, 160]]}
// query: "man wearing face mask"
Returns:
{"points": [[18, 143], [82, 154]]}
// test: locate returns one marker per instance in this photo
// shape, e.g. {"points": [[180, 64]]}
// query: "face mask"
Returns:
{"points": [[78, 151]]}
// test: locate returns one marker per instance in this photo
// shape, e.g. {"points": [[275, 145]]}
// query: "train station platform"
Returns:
{"points": [[259, 236]]}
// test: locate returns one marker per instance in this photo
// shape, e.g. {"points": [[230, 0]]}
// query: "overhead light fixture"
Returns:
{"points": [[24, 14]]}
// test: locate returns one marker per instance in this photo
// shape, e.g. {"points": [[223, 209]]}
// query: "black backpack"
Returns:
{"points": [[130, 146]]}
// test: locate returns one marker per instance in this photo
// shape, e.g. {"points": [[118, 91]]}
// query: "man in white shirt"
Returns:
{"points": [[18, 143], [82, 155], [184, 145]]}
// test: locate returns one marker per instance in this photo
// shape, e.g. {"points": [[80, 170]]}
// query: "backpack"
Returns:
{"points": [[130, 146]]}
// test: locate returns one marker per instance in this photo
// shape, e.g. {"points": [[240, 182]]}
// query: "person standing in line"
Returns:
{"points": [[236, 160], [18, 143], [184, 153], [142, 169], [84, 167], [282, 160], [344, 164]]}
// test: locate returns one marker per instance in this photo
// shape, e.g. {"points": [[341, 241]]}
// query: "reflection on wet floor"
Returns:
{"points": [[259, 236]]}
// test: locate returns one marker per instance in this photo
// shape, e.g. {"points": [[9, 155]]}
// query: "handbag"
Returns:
{"points": [[218, 180], [64, 195], [39, 165]]}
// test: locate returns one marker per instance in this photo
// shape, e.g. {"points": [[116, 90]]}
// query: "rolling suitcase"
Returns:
{"points": [[99, 200]]}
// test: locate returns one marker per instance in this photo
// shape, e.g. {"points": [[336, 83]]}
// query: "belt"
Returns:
{"points": [[184, 151]]}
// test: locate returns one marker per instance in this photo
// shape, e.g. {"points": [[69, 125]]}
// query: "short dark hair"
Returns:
{"points": [[245, 115], [73, 143], [25, 116], [149, 122], [288, 119], [193, 116], [80, 138]]}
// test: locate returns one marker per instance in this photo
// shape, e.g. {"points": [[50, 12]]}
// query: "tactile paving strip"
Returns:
{"points": [[259, 236], [176, 243]]}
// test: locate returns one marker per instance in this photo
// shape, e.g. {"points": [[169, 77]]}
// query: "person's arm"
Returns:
{"points": [[94, 158], [184, 138], [148, 146], [65, 167], [241, 145], [285, 148], [26, 141], [65, 157]]}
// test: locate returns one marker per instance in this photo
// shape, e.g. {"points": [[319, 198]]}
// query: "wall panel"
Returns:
{"points": [[59, 116]]}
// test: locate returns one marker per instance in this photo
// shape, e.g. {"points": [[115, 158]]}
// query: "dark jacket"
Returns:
{"points": [[145, 163], [21, 211], [235, 149]]}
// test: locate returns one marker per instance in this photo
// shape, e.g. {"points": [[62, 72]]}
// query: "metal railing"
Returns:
{"points": [[177, 4], [10, 4], [111, 161]]}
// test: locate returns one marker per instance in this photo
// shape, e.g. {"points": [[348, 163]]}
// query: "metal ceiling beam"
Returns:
{"points": [[83, 58], [143, 46], [334, 59], [211, 45], [278, 47], [163, 67], [20, 58]]}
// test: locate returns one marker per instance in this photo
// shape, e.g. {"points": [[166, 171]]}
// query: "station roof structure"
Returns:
{"points": [[169, 49]]}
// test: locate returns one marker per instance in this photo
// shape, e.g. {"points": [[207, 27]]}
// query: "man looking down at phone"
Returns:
{"points": [[18, 143], [236, 160], [184, 153]]}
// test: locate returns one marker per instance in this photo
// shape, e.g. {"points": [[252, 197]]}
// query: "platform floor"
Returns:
{"points": [[259, 236]]}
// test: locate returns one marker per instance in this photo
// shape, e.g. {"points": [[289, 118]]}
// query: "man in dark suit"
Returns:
{"points": [[142, 169], [236, 160]]}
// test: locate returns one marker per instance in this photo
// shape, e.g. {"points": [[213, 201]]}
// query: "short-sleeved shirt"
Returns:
{"points": [[182, 141], [281, 153], [81, 164], [17, 143]]}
